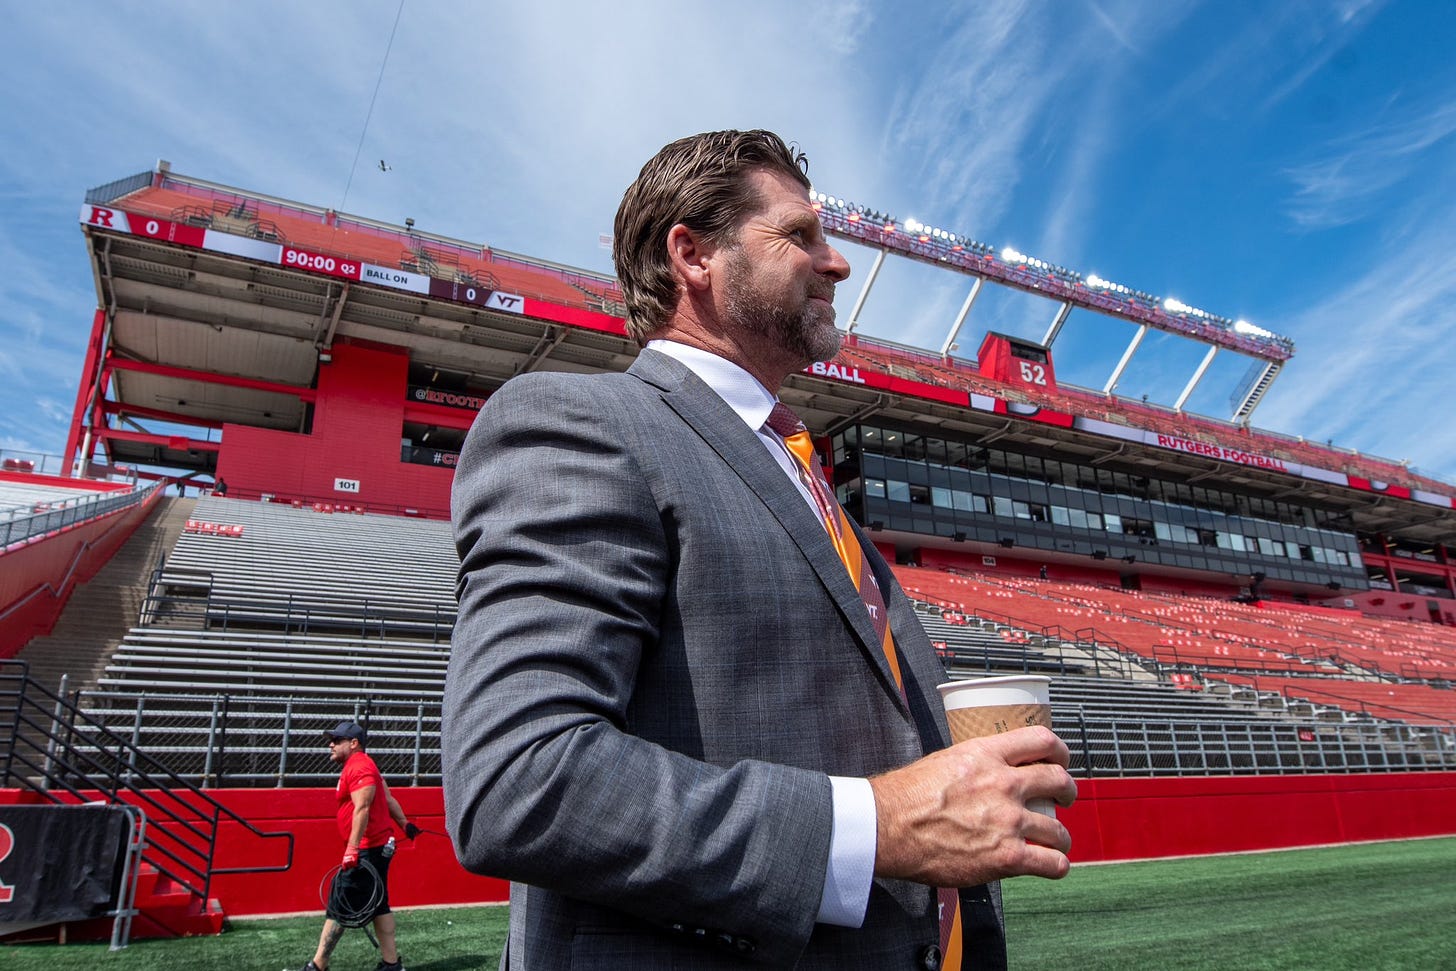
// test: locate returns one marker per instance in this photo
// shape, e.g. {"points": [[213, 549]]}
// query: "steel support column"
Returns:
{"points": [[1056, 328], [1126, 357], [864, 292], [1197, 376], [955, 328]]}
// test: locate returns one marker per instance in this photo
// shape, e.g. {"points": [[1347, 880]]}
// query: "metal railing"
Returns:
{"points": [[112, 191], [1106, 745], [52, 746], [241, 740], [34, 463], [272, 741], [292, 614], [1073, 649], [48, 516]]}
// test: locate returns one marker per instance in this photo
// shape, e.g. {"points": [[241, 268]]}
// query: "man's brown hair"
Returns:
{"points": [[702, 182]]}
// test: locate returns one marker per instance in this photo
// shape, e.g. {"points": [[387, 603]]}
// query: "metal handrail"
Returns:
{"points": [[1047, 632], [1426, 719], [131, 762], [1207, 742], [365, 617], [38, 521]]}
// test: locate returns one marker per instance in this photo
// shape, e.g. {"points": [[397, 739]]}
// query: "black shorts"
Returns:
{"points": [[353, 888]]}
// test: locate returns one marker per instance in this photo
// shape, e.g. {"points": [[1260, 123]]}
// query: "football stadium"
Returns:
{"points": [[1251, 637]]}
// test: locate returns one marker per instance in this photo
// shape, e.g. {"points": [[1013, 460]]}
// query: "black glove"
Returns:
{"points": [[411, 831]]}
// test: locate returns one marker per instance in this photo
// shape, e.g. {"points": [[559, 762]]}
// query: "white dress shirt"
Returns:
{"points": [[852, 845]]}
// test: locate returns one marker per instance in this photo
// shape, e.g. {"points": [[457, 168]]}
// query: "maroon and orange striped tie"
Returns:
{"points": [[788, 427]]}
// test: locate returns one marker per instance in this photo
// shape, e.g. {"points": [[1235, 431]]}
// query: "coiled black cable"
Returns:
{"points": [[351, 909]]}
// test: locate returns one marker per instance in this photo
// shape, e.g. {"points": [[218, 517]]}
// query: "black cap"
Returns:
{"points": [[349, 730]]}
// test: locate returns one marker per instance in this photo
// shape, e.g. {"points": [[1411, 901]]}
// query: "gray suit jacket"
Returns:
{"points": [[659, 660]]}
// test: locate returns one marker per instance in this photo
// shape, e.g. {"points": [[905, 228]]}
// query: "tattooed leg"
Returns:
{"points": [[328, 940]]}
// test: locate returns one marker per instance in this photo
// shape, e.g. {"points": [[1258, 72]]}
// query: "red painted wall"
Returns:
{"points": [[425, 872], [1113, 819], [28, 569], [358, 420], [1125, 819]]}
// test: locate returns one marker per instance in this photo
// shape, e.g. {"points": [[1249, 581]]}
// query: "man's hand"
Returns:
{"points": [[958, 817], [411, 831], [351, 857]]}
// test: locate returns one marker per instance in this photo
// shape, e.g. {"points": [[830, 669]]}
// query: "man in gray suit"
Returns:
{"points": [[671, 718]]}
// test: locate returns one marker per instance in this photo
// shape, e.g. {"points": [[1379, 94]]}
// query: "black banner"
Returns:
{"points": [[59, 863], [419, 455]]}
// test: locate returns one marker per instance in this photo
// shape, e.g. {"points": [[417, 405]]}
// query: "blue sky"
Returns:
{"points": [[1289, 163]]}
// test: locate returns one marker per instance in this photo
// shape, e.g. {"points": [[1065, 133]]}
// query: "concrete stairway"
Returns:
{"points": [[102, 610]]}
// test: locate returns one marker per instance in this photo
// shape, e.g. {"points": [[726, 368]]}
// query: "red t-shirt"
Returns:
{"points": [[360, 772]]}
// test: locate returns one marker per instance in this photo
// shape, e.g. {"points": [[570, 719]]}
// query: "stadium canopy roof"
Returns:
{"points": [[202, 336]]}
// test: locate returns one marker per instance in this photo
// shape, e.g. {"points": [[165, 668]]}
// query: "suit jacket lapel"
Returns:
{"points": [[717, 424]]}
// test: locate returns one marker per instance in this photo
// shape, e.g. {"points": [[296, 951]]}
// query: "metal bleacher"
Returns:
{"points": [[1253, 708], [270, 622]]}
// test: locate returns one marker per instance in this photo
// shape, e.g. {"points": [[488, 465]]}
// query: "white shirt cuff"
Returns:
{"points": [[851, 853]]}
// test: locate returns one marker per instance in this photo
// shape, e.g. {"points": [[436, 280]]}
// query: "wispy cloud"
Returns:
{"points": [[1323, 40], [969, 114], [1113, 28], [1382, 349], [843, 24], [1349, 181], [1271, 55]]}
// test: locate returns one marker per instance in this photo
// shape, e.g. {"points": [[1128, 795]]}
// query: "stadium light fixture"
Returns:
{"points": [[1244, 327], [958, 247]]}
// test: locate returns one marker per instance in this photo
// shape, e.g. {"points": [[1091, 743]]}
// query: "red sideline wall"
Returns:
{"points": [[1113, 819], [27, 568]]}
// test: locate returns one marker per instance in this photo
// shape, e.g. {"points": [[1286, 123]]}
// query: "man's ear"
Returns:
{"points": [[690, 256]]}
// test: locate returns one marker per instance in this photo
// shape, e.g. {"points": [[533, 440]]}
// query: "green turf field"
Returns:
{"points": [[1374, 906]]}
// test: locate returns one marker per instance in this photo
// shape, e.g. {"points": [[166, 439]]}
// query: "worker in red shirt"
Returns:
{"points": [[366, 808]]}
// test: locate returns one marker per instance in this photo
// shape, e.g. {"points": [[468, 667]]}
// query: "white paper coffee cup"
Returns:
{"points": [[990, 706]]}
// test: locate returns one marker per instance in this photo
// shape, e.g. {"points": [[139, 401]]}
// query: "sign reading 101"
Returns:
{"points": [[346, 485]]}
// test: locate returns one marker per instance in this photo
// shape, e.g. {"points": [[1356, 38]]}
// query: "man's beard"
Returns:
{"points": [[807, 332]]}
